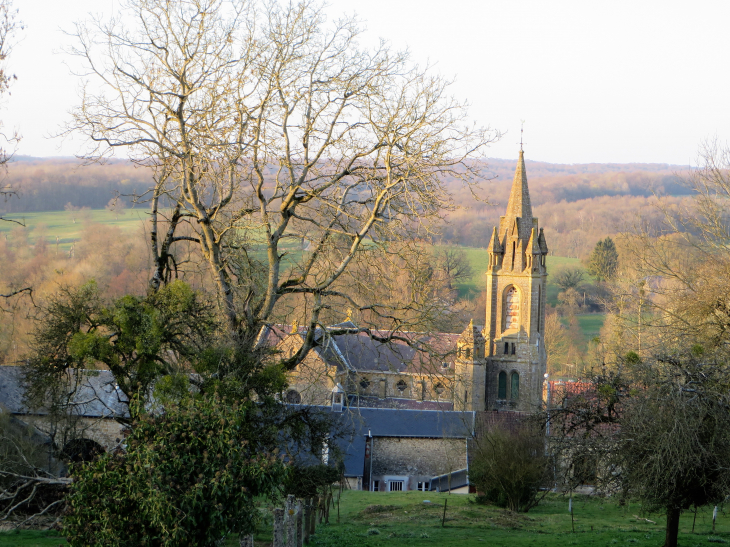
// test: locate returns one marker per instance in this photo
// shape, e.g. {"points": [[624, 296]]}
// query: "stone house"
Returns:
{"points": [[394, 450], [88, 422]]}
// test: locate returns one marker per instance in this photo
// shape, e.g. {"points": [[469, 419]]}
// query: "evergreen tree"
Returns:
{"points": [[603, 263]]}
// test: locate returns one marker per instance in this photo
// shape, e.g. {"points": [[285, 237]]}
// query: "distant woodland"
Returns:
{"points": [[577, 204]]}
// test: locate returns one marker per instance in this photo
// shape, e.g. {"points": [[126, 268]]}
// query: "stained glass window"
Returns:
{"points": [[512, 309], [502, 386]]}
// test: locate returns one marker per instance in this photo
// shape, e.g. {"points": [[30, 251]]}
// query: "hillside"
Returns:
{"points": [[576, 204]]}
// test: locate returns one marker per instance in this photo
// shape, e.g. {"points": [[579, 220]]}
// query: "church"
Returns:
{"points": [[497, 366]]}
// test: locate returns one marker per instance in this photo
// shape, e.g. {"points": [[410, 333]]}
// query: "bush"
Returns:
{"points": [[187, 478], [310, 481], [510, 467]]}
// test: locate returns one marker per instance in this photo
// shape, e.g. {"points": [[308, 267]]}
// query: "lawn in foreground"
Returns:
{"points": [[391, 519], [373, 520]]}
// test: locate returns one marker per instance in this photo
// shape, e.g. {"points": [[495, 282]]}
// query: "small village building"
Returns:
{"points": [[88, 422]]}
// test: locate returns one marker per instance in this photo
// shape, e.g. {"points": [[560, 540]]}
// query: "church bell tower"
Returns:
{"points": [[516, 297]]}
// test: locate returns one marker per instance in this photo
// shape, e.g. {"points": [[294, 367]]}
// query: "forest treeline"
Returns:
{"points": [[576, 204]]}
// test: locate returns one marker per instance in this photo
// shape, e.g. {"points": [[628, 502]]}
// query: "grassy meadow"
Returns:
{"points": [[369, 519], [61, 225]]}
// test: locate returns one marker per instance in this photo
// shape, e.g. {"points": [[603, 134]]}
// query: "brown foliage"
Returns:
{"points": [[117, 261]]}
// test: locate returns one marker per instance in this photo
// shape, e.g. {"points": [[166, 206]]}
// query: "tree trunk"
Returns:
{"points": [[672, 526]]}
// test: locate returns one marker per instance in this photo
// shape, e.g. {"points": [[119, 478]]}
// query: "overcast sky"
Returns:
{"points": [[595, 81]]}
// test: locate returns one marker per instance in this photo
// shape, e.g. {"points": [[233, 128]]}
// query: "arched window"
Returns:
{"points": [[515, 387], [468, 353], [364, 383], [81, 450], [502, 385], [439, 388], [401, 385], [293, 397], [512, 309], [539, 308]]}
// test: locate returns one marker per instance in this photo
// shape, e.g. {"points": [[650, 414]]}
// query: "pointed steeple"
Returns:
{"points": [[533, 245], [543, 243], [494, 246], [519, 205]]}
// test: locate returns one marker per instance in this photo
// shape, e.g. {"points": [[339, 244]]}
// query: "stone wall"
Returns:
{"points": [[108, 433], [416, 458]]}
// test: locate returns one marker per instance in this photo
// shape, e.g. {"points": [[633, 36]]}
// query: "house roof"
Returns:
{"points": [[388, 422], [358, 351], [92, 393], [356, 401]]}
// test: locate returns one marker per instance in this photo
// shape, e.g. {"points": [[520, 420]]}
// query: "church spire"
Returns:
{"points": [[519, 205]]}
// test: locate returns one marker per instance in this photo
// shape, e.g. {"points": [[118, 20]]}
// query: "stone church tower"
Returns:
{"points": [[515, 358]]}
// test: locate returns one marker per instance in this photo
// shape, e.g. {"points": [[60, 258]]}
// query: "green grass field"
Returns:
{"points": [[392, 519], [403, 519], [590, 324], [60, 224], [31, 538]]}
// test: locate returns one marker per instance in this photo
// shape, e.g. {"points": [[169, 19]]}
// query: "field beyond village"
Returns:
{"points": [[61, 232], [370, 519]]}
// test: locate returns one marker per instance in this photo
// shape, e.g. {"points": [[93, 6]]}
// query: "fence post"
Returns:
{"points": [[307, 508], [278, 528], [245, 540], [313, 516], [291, 522], [300, 527]]}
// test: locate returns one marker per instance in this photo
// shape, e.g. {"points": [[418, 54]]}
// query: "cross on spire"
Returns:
{"points": [[522, 130]]}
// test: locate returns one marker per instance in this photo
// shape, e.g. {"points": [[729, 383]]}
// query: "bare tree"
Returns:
{"points": [[557, 343], [281, 150], [9, 25], [569, 277], [673, 280], [656, 429], [453, 263]]}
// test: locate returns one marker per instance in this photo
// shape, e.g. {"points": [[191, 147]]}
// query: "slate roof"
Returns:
{"points": [[95, 395], [359, 352], [387, 422], [397, 403]]}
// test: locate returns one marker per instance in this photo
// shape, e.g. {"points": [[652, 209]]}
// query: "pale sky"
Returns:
{"points": [[595, 81]]}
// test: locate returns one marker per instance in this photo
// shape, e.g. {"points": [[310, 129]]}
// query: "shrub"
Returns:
{"points": [[309, 481], [187, 478], [510, 467]]}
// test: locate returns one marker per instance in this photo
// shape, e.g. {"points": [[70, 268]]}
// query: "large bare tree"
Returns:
{"points": [[284, 153], [9, 25], [673, 283]]}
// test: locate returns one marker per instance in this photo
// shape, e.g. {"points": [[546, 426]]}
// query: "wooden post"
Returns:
{"points": [[300, 526], [279, 528], [570, 508], [245, 540], [305, 517], [714, 518], [291, 522], [327, 508], [313, 517]]}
